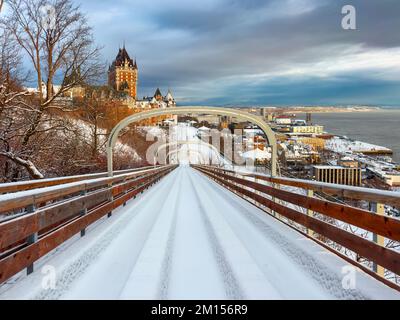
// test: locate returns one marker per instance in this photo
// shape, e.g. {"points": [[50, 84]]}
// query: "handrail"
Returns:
{"points": [[357, 193], [29, 237], [386, 226], [22, 199], [269, 196], [29, 185]]}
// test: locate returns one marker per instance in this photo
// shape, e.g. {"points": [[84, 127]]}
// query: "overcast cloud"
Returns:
{"points": [[256, 52]]}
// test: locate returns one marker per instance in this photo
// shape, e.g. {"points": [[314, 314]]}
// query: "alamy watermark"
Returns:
{"points": [[49, 277], [48, 15], [349, 20], [349, 280]]}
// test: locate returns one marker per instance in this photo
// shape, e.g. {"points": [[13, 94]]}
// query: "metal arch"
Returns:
{"points": [[243, 115]]}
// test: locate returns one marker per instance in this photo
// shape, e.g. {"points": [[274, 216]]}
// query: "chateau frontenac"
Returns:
{"points": [[123, 79], [123, 74]]}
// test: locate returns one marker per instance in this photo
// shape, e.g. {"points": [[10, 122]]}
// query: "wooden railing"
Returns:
{"points": [[34, 184], [282, 203], [49, 216]]}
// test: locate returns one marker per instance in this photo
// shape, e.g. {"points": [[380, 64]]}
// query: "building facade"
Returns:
{"points": [[308, 129], [157, 101], [338, 175], [315, 143], [123, 74]]}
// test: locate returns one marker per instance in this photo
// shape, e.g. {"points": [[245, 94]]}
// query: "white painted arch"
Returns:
{"points": [[242, 115]]}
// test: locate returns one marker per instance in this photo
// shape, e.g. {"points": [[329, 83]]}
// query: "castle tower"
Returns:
{"points": [[157, 95], [123, 74], [169, 99]]}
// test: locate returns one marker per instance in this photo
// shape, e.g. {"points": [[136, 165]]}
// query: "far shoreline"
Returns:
{"points": [[308, 109]]}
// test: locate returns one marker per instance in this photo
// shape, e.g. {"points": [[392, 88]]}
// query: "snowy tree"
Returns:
{"points": [[58, 42]]}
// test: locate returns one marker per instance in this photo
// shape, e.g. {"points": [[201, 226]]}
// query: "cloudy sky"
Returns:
{"points": [[256, 52]]}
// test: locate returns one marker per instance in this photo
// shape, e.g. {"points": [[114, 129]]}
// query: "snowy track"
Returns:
{"points": [[189, 238]]}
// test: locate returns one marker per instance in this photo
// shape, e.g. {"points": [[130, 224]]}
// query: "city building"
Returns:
{"points": [[158, 95], [348, 162], [284, 119], [123, 74], [392, 178], [308, 129], [389, 176], [157, 101], [315, 143], [338, 175], [299, 122], [295, 153], [211, 119]]}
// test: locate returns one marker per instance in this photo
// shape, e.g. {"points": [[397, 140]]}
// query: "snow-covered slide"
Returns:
{"points": [[189, 238]]}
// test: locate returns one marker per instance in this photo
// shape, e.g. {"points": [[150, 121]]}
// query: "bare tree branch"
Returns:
{"points": [[60, 46]]}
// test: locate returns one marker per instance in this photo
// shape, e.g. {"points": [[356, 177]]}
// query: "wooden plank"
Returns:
{"points": [[15, 230], [52, 215], [331, 249], [18, 229], [383, 225], [385, 257], [357, 193], [22, 201], [119, 189], [12, 264], [61, 212], [29, 185]]}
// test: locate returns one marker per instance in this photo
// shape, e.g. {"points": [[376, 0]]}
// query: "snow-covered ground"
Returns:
{"points": [[344, 146], [86, 131], [189, 238]]}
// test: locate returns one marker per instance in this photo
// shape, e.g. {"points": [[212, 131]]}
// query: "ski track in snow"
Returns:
{"points": [[195, 269], [232, 287], [167, 263], [148, 275]]}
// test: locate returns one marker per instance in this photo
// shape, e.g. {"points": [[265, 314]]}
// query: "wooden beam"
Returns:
{"points": [[350, 192], [388, 227]]}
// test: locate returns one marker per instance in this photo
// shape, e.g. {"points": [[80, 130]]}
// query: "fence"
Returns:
{"points": [[283, 203], [49, 216], [29, 185]]}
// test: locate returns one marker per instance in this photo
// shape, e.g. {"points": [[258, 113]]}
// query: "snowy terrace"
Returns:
{"points": [[346, 146]]}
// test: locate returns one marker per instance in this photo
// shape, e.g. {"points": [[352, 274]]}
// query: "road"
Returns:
{"points": [[189, 238]]}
